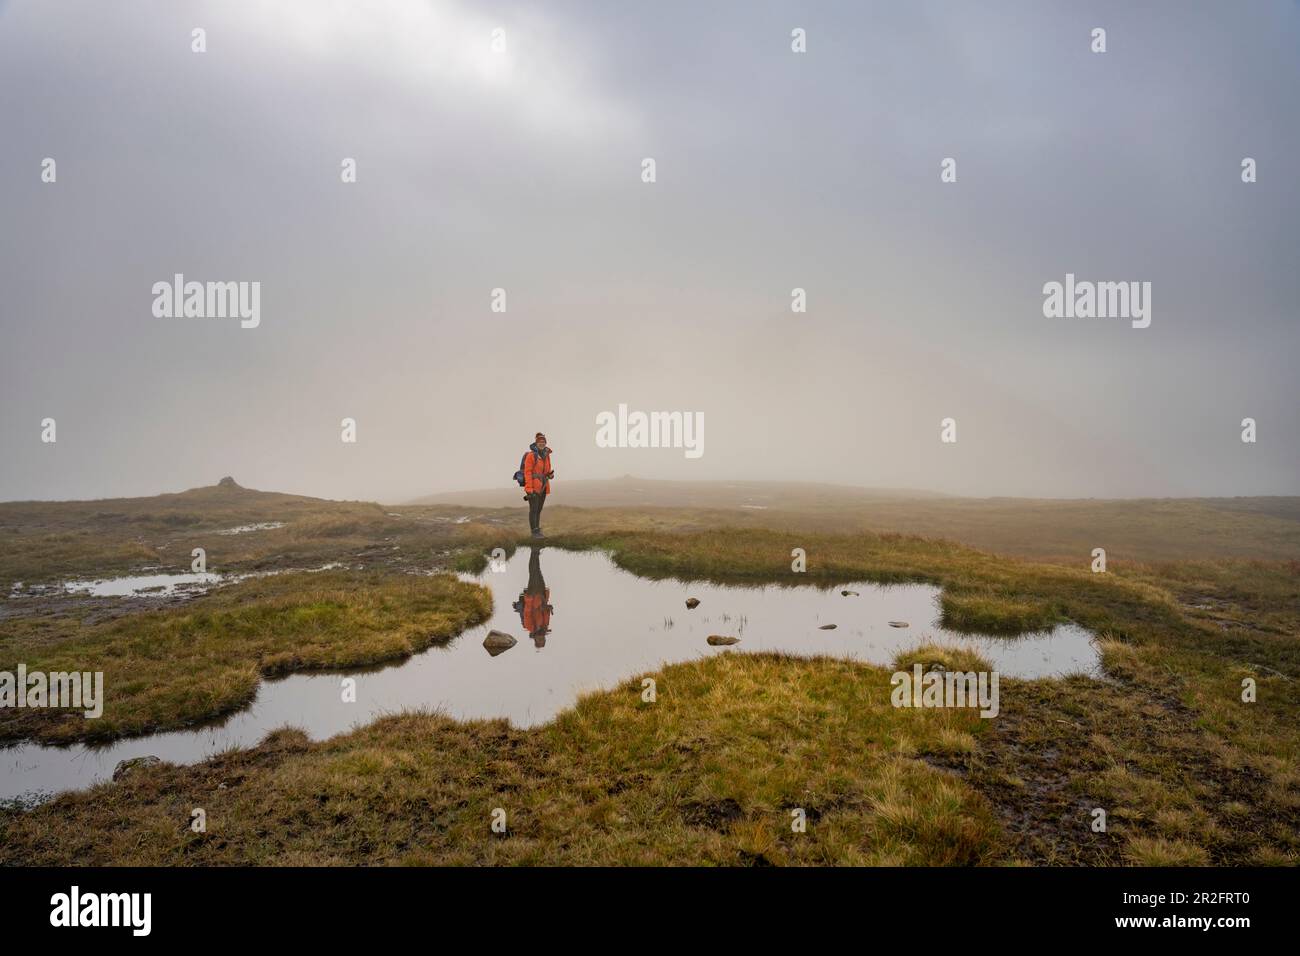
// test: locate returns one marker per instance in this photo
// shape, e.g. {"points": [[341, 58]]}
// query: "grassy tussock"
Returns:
{"points": [[989, 613], [167, 668], [1162, 852], [708, 774], [930, 656]]}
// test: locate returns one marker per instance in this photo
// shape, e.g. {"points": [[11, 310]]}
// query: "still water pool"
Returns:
{"points": [[581, 624]]}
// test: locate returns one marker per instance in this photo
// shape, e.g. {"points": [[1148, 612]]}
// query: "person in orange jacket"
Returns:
{"points": [[538, 473], [534, 604]]}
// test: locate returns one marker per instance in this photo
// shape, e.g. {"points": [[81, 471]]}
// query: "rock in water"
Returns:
{"points": [[498, 642], [135, 763], [721, 640], [849, 594], [826, 627], [692, 603], [898, 624]]}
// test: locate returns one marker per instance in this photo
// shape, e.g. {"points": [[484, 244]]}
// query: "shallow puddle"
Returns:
{"points": [[247, 528], [143, 585], [581, 624], [170, 585]]}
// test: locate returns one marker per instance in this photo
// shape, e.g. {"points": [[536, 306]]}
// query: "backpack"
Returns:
{"points": [[519, 475]]}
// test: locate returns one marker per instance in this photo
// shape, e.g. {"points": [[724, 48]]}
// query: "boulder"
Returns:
{"points": [[498, 642], [722, 640], [126, 767], [692, 603]]}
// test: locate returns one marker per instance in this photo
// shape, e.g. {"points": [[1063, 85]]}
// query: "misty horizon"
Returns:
{"points": [[879, 491], [521, 169]]}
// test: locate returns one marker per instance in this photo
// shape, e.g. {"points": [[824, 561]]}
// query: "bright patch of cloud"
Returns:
{"points": [[533, 72]]}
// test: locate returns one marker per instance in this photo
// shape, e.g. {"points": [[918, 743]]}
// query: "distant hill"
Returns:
{"points": [[226, 502], [632, 492], [1060, 529], [66, 533]]}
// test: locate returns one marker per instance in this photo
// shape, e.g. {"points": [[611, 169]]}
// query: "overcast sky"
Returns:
{"points": [[522, 170]]}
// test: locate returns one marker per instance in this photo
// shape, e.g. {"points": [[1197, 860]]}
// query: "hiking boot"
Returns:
{"points": [[538, 533]]}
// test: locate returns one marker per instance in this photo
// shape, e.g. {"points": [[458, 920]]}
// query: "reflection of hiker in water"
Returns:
{"points": [[534, 604]]}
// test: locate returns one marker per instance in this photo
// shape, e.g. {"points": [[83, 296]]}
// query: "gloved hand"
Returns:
{"points": [[550, 475]]}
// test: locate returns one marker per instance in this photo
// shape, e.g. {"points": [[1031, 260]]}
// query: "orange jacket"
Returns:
{"points": [[536, 613], [536, 468]]}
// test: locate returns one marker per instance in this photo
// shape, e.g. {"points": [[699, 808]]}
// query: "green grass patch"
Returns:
{"points": [[990, 613], [164, 669]]}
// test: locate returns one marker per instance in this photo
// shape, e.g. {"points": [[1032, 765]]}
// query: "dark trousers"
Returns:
{"points": [[535, 502], [536, 583]]}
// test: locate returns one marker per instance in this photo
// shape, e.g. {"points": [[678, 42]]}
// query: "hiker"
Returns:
{"points": [[537, 475], [534, 604]]}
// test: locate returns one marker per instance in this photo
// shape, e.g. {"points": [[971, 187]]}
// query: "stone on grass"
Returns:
{"points": [[127, 767], [722, 640]]}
